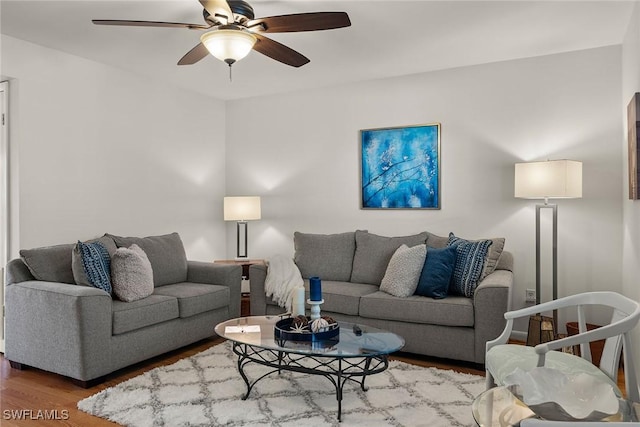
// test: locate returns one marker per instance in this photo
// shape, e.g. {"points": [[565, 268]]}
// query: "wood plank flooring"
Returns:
{"points": [[35, 390]]}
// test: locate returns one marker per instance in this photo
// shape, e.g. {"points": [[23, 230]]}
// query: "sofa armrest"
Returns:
{"points": [[218, 274], [258, 298], [17, 271], [491, 299], [59, 327]]}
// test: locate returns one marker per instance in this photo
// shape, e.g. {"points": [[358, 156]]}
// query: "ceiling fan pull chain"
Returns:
{"points": [[230, 76]]}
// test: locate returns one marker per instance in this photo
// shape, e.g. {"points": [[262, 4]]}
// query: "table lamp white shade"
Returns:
{"points": [[551, 179], [242, 209]]}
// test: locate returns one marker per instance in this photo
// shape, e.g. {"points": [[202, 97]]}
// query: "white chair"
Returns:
{"points": [[532, 422], [502, 358]]}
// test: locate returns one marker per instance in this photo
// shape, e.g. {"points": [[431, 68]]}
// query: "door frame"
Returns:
{"points": [[4, 197]]}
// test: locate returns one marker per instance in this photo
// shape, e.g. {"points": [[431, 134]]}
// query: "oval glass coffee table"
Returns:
{"points": [[357, 352]]}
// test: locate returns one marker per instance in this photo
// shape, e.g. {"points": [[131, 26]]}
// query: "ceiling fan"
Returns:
{"points": [[231, 31]]}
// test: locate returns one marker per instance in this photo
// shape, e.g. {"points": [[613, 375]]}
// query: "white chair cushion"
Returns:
{"points": [[502, 360]]}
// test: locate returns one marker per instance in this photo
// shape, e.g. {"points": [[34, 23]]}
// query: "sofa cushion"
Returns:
{"points": [[437, 271], [196, 298], [493, 257], [452, 311], [132, 274], [343, 297], [77, 266], [166, 254], [470, 260], [403, 271], [328, 256], [339, 297], [435, 241], [129, 316], [502, 360], [96, 264], [50, 263], [373, 253]]}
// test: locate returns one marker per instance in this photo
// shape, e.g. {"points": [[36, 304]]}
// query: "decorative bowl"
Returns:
{"points": [[284, 331], [555, 396]]}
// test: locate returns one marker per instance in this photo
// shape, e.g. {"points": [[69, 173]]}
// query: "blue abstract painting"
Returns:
{"points": [[401, 167]]}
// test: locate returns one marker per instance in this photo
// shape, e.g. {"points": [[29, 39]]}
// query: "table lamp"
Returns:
{"points": [[551, 179], [242, 209]]}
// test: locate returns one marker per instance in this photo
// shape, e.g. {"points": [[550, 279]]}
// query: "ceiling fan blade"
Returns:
{"points": [[279, 52], [218, 8], [149, 24], [301, 22], [194, 55]]}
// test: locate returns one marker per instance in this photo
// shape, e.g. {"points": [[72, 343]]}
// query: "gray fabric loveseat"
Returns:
{"points": [[351, 266], [84, 333]]}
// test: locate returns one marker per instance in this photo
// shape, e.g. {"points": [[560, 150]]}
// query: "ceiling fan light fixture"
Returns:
{"points": [[229, 45]]}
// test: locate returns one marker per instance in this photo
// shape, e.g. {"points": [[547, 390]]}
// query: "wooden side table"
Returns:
{"points": [[245, 308]]}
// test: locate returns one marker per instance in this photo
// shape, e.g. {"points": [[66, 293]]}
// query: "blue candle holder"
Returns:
{"points": [[315, 289]]}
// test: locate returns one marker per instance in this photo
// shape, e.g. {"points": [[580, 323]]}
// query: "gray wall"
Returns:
{"points": [[96, 149], [631, 209], [300, 152]]}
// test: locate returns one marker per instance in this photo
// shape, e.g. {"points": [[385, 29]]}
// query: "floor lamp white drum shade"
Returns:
{"points": [[552, 179], [242, 209]]}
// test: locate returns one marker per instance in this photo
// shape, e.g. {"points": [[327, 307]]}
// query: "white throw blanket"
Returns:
{"points": [[283, 277]]}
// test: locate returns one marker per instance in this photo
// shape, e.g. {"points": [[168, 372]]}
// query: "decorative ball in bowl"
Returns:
{"points": [[302, 328], [555, 396]]}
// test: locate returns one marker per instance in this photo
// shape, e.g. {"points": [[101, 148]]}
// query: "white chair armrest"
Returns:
{"points": [[503, 338]]}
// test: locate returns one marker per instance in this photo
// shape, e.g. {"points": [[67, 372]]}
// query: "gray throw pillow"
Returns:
{"points": [[50, 263], [328, 256], [435, 241], [403, 271], [166, 255], [374, 252], [79, 273], [131, 274]]}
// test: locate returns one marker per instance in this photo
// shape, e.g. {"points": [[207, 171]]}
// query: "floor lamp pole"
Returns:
{"points": [[554, 288]]}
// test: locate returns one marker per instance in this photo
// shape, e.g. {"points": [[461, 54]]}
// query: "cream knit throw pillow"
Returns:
{"points": [[131, 274], [403, 272]]}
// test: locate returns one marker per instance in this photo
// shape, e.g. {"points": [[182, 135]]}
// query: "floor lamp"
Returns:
{"points": [[242, 209], [551, 179]]}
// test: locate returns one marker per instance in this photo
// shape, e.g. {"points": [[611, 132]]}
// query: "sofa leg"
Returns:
{"points": [[88, 383], [17, 365]]}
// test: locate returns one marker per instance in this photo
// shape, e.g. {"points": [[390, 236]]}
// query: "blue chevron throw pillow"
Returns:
{"points": [[97, 265], [470, 258]]}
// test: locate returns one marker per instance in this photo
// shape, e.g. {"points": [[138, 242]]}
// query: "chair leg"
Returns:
{"points": [[489, 381]]}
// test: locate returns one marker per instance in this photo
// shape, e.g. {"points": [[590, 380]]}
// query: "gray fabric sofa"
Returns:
{"points": [[84, 333], [351, 265]]}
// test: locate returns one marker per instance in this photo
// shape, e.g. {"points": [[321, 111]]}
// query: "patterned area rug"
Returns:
{"points": [[206, 390]]}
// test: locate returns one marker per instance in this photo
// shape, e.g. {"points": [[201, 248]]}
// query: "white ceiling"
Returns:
{"points": [[387, 38]]}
